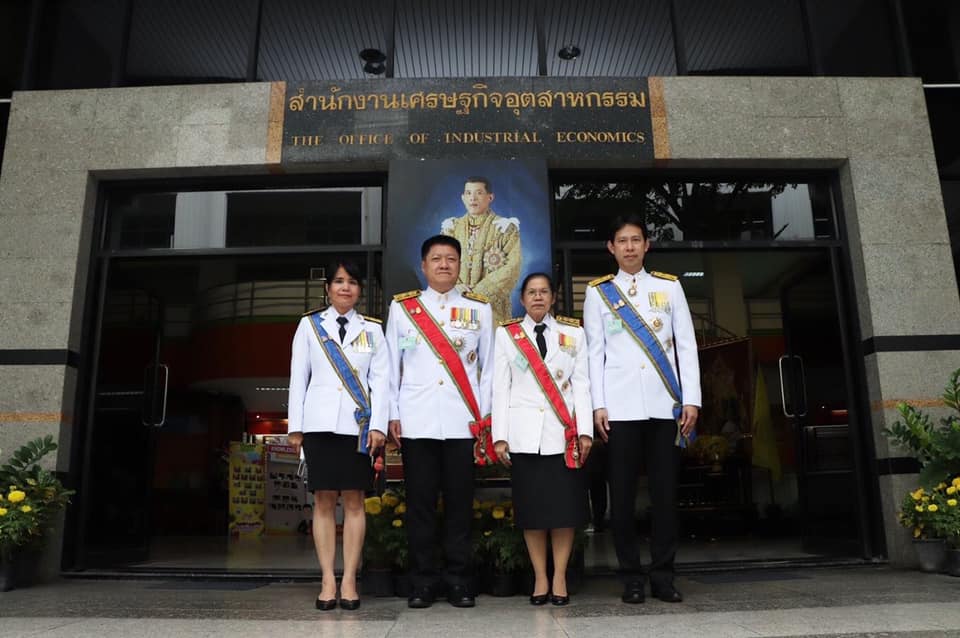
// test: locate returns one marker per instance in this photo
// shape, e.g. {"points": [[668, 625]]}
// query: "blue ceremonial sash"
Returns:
{"points": [[644, 336], [350, 380]]}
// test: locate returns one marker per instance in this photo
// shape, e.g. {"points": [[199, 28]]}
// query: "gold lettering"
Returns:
{"points": [[419, 138], [600, 137]]}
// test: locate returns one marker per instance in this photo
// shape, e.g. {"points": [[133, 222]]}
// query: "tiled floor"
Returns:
{"points": [[860, 601]]}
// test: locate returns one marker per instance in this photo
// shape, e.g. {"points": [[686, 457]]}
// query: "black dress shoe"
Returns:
{"points": [[459, 596], [420, 599], [633, 593], [667, 594], [539, 599], [326, 605], [559, 601], [350, 605]]}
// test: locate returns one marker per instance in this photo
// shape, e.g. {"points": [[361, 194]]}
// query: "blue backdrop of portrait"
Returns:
{"points": [[422, 194]]}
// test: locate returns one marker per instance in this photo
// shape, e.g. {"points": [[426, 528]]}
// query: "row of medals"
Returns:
{"points": [[632, 291]]}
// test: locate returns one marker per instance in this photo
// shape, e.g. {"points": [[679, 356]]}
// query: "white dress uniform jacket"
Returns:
{"points": [[318, 400], [522, 415], [623, 379], [424, 396]]}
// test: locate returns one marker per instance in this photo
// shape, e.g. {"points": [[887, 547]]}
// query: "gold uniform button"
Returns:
{"points": [[441, 381], [441, 322], [442, 306], [340, 389], [643, 366], [541, 409]]}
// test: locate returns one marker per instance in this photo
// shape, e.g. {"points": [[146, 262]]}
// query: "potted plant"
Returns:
{"points": [[30, 499], [948, 524], [936, 445], [499, 546], [384, 546]]}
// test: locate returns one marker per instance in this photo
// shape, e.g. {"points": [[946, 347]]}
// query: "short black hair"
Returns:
{"points": [[439, 240], [536, 275], [348, 265], [628, 219], [479, 179]]}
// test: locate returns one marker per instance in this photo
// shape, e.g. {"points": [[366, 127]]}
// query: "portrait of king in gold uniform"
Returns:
{"points": [[492, 255]]}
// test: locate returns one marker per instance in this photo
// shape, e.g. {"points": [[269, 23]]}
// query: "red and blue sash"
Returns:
{"points": [[647, 341], [483, 450], [571, 452], [348, 376]]}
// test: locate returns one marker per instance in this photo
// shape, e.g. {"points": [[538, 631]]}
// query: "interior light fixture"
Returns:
{"points": [[375, 56], [374, 68], [569, 52], [693, 273]]}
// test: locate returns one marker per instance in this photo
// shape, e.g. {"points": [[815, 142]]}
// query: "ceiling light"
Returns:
{"points": [[374, 68], [373, 55], [693, 273], [569, 52]]}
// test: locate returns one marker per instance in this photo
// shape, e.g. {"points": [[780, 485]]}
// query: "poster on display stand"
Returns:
{"points": [[286, 493], [246, 490]]}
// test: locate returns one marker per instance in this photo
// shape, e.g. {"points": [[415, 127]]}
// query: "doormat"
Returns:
{"points": [[207, 585], [759, 576]]}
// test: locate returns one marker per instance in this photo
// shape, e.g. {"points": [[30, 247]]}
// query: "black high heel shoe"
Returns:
{"points": [[539, 599], [350, 605], [559, 601], [326, 605]]}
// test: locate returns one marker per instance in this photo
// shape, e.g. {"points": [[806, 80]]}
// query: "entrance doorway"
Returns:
{"points": [[193, 357]]}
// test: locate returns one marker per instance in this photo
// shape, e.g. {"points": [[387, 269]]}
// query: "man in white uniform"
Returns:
{"points": [[635, 412], [431, 419]]}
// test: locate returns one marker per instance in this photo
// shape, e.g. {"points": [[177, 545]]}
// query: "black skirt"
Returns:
{"points": [[547, 494], [333, 462]]}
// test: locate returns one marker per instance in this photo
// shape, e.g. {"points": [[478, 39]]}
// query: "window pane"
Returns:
{"points": [[80, 42], [615, 38], [181, 41], [933, 32], [308, 40], [853, 37], [222, 219], [698, 211], [742, 37], [943, 105], [14, 25]]}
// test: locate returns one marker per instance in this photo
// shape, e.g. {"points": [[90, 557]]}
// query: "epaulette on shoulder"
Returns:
{"points": [[476, 297], [600, 280], [373, 319], [568, 321], [310, 312], [510, 322], [663, 275], [403, 296]]}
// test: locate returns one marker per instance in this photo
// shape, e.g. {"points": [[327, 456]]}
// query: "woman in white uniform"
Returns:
{"points": [[323, 418], [536, 358]]}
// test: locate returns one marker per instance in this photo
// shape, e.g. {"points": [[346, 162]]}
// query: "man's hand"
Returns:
{"points": [[375, 440], [502, 448], [688, 419], [601, 424], [585, 444], [296, 440], [394, 431]]}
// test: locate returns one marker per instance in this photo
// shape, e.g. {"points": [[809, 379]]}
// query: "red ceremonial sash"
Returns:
{"points": [[483, 450], [571, 452]]}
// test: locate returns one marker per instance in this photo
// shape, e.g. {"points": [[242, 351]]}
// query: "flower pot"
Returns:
{"points": [[503, 584], [402, 584], [18, 569], [931, 553], [952, 564], [377, 581]]}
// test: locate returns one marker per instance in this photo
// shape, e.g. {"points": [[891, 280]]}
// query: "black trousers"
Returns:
{"points": [[597, 472], [631, 442], [432, 467]]}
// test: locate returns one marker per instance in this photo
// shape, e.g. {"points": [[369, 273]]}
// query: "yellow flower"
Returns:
{"points": [[372, 505], [917, 494], [916, 532], [918, 508], [3, 511], [401, 508], [941, 486], [488, 532], [16, 496], [477, 515], [951, 490], [397, 522], [389, 500], [932, 508], [956, 483], [498, 513], [476, 504], [952, 502], [31, 482], [26, 509]]}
